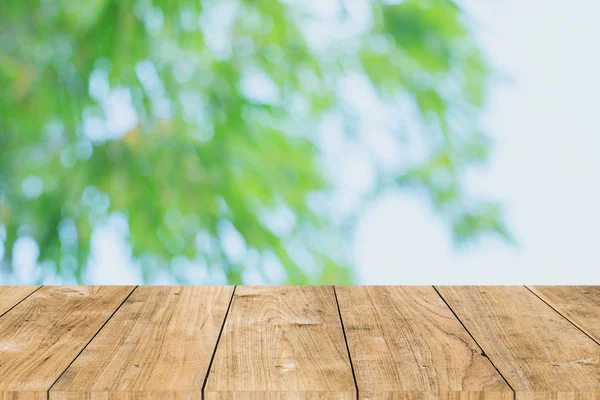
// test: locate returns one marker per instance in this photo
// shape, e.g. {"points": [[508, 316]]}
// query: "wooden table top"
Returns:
{"points": [[313, 342]]}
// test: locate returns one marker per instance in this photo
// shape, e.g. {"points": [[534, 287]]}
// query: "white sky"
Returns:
{"points": [[545, 169]]}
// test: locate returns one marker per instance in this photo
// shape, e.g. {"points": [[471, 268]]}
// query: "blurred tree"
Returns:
{"points": [[199, 123]]}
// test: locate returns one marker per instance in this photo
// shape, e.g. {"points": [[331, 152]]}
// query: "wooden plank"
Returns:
{"points": [[159, 344], [540, 353], [11, 295], [282, 342], [42, 335], [580, 304], [405, 343]]}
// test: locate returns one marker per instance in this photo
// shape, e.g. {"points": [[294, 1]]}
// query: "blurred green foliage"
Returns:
{"points": [[141, 107]]}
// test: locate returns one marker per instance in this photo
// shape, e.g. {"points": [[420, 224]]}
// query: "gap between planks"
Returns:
{"points": [[90, 341], [483, 353], [212, 357], [337, 303], [536, 294], [19, 302]]}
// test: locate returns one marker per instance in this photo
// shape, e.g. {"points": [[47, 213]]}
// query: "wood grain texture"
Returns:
{"points": [[540, 353], [11, 295], [45, 332], [405, 343], [579, 304], [159, 344], [282, 342]]}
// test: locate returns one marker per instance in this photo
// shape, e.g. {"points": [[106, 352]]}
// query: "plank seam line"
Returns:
{"points": [[20, 301], [483, 353], [90, 341], [214, 353], [562, 315], [337, 302]]}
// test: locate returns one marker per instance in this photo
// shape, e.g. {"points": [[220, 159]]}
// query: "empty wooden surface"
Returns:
{"points": [[539, 352], [160, 341], [11, 295], [279, 342], [579, 304], [406, 343], [313, 342], [43, 334]]}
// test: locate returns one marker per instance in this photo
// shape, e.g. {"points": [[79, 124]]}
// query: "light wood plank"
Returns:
{"points": [[278, 395], [405, 343], [541, 354], [45, 332], [159, 344], [11, 295], [580, 304], [282, 342]]}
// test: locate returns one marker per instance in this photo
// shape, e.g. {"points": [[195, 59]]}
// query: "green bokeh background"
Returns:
{"points": [[204, 155]]}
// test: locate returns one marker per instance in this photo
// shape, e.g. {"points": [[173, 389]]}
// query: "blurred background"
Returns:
{"points": [[299, 141]]}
